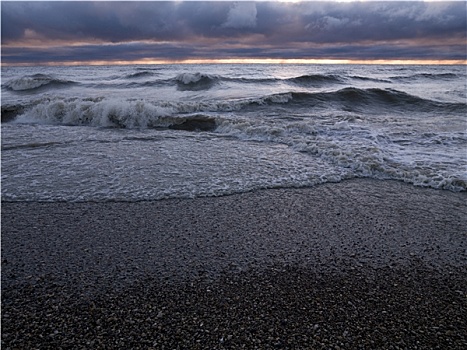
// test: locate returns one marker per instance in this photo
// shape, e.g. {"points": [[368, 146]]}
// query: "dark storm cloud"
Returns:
{"points": [[125, 51], [179, 30]]}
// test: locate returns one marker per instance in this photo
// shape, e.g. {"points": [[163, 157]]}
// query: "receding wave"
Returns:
{"points": [[36, 81], [33, 145], [354, 149]]}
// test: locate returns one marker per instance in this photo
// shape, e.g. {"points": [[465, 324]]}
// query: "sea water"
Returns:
{"points": [[106, 133]]}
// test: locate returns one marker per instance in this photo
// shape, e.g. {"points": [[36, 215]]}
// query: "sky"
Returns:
{"points": [[107, 32]]}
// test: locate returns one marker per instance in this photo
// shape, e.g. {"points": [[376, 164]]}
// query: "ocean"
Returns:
{"points": [[133, 133]]}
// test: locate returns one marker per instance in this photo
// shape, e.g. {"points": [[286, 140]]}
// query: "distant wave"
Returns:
{"points": [[187, 81], [302, 80], [315, 79], [358, 77], [196, 81], [204, 81], [431, 76], [140, 74], [149, 68], [36, 81]]}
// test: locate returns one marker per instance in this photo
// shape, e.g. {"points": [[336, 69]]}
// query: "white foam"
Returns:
{"points": [[281, 98], [139, 169], [191, 78], [356, 150], [101, 113], [280, 133]]}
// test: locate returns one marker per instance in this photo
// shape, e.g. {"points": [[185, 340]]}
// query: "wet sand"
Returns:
{"points": [[359, 264]]}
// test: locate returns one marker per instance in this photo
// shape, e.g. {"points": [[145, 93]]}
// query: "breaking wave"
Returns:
{"points": [[36, 81], [196, 81], [114, 114], [190, 130], [202, 80], [147, 114]]}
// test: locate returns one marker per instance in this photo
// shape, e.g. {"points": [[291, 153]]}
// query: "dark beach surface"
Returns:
{"points": [[361, 264]]}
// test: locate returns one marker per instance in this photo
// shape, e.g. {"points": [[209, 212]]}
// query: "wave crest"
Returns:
{"points": [[354, 99], [315, 79], [115, 114], [146, 114], [196, 81], [430, 76], [36, 81], [140, 74]]}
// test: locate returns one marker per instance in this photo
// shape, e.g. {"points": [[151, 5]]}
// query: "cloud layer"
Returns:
{"points": [[42, 32]]}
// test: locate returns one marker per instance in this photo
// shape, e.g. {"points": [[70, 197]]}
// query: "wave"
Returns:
{"points": [[36, 81], [351, 147], [9, 112], [99, 112], [351, 98], [33, 145], [134, 114], [358, 77], [197, 122], [431, 76], [203, 81], [147, 114], [183, 81], [196, 81], [355, 149], [140, 74], [357, 100], [315, 80]]}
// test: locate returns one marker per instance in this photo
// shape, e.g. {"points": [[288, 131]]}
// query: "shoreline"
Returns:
{"points": [[378, 254]]}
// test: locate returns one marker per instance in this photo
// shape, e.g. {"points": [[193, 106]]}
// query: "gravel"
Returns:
{"points": [[361, 264]]}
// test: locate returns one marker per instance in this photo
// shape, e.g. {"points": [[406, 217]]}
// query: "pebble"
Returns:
{"points": [[265, 308], [261, 270]]}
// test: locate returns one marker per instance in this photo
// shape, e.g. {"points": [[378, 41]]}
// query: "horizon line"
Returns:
{"points": [[241, 61]]}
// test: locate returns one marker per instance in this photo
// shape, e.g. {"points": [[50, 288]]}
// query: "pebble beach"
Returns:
{"points": [[361, 264]]}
